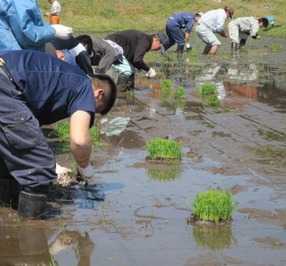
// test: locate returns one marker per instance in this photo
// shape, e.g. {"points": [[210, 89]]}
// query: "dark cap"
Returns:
{"points": [[230, 10], [164, 40]]}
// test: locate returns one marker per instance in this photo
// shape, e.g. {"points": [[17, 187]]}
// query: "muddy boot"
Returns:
{"points": [[131, 82], [242, 43], [180, 49], [31, 205], [234, 46], [125, 82], [9, 193]]}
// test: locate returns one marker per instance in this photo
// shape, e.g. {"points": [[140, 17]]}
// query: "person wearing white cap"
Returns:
{"points": [[210, 23]]}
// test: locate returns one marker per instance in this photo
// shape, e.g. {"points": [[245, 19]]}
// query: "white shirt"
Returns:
{"points": [[214, 19], [248, 24], [56, 8]]}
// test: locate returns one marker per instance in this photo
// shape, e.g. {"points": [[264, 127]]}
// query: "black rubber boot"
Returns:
{"points": [[31, 205], [9, 193], [180, 49], [242, 43], [125, 82], [234, 46], [131, 82]]}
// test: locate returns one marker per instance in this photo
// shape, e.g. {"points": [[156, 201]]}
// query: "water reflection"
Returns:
{"points": [[213, 237], [72, 248], [165, 173], [24, 244], [28, 243]]}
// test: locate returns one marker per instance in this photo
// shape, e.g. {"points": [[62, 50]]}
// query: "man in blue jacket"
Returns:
{"points": [[179, 27], [22, 26], [39, 90]]}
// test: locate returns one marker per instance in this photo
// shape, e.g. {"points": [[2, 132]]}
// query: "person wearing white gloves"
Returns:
{"points": [[27, 164], [135, 45], [179, 26], [22, 26]]}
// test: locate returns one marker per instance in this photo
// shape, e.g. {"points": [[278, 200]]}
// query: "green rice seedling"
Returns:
{"points": [[211, 100], [208, 93], [213, 205], [193, 52], [180, 93], [63, 130], [166, 88], [95, 135], [207, 89], [275, 48], [164, 149]]}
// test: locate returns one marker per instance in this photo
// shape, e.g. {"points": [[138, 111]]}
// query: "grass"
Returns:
{"points": [[63, 132], [111, 15], [208, 93], [164, 149], [213, 205]]}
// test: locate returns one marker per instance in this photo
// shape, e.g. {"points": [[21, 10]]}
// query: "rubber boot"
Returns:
{"points": [[122, 81], [125, 82], [31, 205], [242, 43], [9, 193], [234, 46], [131, 82], [180, 49]]}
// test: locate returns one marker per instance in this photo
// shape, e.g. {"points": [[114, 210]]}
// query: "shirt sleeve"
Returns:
{"points": [[27, 24], [141, 49]]}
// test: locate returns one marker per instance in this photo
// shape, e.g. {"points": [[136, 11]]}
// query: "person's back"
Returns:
{"points": [[183, 18], [134, 43], [50, 86], [214, 19]]}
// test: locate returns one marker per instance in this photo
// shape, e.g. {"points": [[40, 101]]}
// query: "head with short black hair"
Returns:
{"points": [[86, 41], [105, 88], [264, 22]]}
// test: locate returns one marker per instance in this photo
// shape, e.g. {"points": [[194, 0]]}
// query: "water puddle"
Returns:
{"points": [[237, 146]]}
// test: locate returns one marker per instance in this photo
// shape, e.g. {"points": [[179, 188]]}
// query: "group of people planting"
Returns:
{"points": [[47, 74]]}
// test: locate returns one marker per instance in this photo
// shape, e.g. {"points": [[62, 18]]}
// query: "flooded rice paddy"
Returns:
{"points": [[239, 146]]}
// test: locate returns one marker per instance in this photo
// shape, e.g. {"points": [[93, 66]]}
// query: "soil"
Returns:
{"points": [[239, 146]]}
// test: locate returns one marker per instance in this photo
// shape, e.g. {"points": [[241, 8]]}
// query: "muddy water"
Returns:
{"points": [[239, 146]]}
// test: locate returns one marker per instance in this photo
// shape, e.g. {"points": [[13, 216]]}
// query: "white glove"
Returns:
{"points": [[87, 172], [62, 171], [62, 32], [188, 46], [151, 73]]}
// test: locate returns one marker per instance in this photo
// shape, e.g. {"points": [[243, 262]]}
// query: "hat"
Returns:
{"points": [[230, 10], [165, 42]]}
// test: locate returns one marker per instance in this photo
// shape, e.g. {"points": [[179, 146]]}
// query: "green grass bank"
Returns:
{"points": [[151, 15]]}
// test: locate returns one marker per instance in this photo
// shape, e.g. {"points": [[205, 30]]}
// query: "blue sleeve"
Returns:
{"points": [[190, 19], [26, 23]]}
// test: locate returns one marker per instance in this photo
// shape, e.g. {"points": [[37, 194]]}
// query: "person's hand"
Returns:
{"points": [[86, 173], [258, 37], [62, 171], [188, 46], [62, 32], [151, 73]]}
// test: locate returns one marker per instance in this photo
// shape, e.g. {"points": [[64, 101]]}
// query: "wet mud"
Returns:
{"points": [[238, 146]]}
